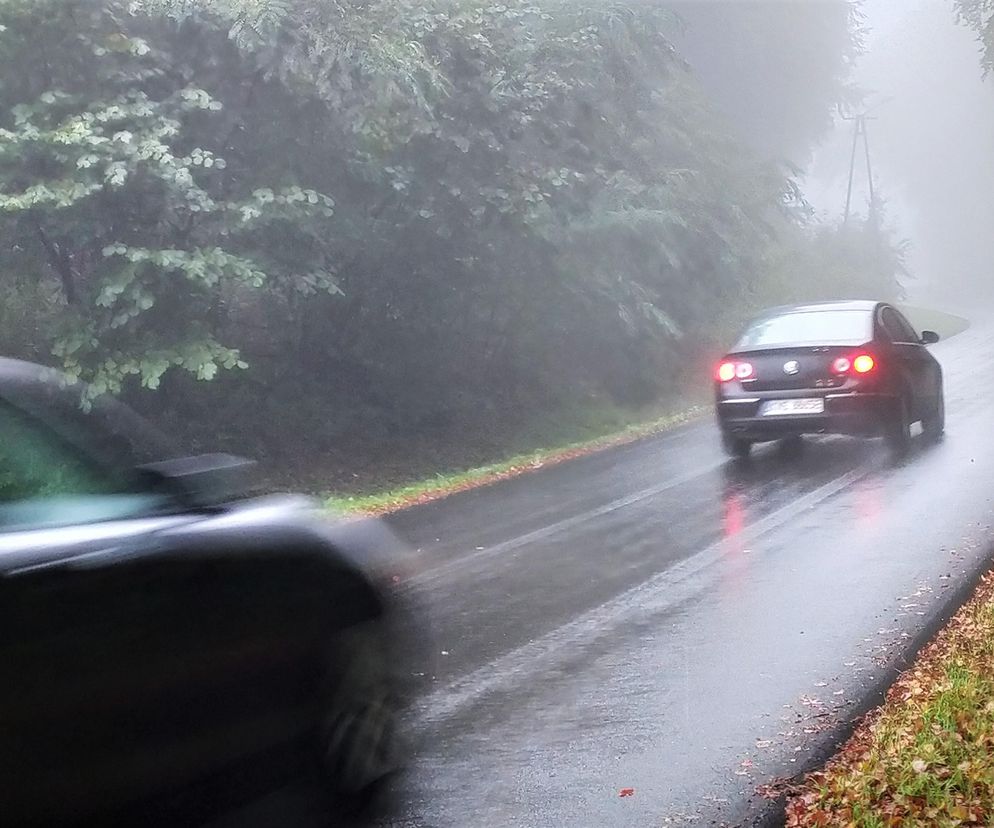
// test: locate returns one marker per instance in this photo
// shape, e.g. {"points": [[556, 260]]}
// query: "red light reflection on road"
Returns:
{"points": [[869, 506], [734, 517], [736, 556]]}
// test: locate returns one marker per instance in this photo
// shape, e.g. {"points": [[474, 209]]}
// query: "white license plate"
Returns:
{"points": [[775, 408]]}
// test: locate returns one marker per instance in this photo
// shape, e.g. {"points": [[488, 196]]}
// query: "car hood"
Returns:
{"points": [[366, 543]]}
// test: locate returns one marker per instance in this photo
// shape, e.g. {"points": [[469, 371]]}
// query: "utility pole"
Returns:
{"points": [[859, 129], [857, 123], [869, 171]]}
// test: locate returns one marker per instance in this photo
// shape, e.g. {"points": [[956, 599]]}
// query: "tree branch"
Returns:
{"points": [[59, 261]]}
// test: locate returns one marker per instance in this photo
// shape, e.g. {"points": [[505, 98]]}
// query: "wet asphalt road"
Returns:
{"points": [[658, 618]]}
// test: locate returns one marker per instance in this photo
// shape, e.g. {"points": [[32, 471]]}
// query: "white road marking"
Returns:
{"points": [[445, 570], [660, 592]]}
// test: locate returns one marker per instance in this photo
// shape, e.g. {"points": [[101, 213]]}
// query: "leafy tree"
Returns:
{"points": [[979, 16], [114, 190], [534, 202]]}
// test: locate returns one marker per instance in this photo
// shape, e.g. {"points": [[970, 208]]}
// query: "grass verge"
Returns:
{"points": [[926, 756], [441, 485]]}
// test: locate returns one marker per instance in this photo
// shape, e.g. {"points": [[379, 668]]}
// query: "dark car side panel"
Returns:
{"points": [[190, 648], [922, 376], [147, 641]]}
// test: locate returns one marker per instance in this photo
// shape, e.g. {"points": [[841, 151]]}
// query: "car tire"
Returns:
{"points": [[898, 429], [736, 447], [358, 737], [934, 425]]}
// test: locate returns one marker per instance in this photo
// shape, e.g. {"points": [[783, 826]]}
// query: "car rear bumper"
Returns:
{"points": [[853, 413]]}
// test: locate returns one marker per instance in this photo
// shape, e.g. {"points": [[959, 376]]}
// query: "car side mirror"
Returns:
{"points": [[929, 337], [202, 481]]}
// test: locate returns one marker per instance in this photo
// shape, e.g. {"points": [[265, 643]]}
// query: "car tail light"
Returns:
{"points": [[728, 371], [863, 364], [860, 364]]}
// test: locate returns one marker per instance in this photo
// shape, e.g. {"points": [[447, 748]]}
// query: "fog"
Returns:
{"points": [[775, 69], [930, 146], [772, 68], [498, 229]]}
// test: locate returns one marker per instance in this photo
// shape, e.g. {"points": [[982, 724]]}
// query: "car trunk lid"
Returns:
{"points": [[795, 368]]}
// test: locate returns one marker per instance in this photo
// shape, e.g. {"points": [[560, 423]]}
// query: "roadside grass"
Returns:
{"points": [[926, 756], [443, 484]]}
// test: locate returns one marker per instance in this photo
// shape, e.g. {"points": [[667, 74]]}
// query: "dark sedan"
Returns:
{"points": [[159, 629], [856, 368]]}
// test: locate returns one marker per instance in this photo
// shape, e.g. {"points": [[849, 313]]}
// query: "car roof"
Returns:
{"points": [[865, 305], [862, 306], [32, 386]]}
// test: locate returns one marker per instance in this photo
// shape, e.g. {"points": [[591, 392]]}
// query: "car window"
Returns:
{"points": [[46, 481], [896, 327], [802, 327], [104, 429], [907, 329]]}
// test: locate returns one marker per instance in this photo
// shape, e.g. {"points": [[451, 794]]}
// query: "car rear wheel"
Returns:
{"points": [[935, 423], [359, 745], [898, 429], [737, 447]]}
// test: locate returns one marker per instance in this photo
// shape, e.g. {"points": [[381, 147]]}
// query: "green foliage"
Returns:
{"points": [[114, 188], [533, 201], [838, 261], [979, 16]]}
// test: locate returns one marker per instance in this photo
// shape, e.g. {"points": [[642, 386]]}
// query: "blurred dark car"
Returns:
{"points": [[856, 368], [158, 628]]}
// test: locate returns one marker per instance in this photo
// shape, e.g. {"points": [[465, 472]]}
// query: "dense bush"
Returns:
{"points": [[383, 216]]}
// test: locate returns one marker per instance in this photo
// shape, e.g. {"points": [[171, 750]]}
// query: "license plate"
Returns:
{"points": [[775, 408]]}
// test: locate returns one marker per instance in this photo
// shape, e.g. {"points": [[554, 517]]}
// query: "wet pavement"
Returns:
{"points": [[660, 622]]}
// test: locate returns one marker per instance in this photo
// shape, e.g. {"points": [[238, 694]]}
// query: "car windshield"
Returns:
{"points": [[109, 432], [46, 480], [823, 327]]}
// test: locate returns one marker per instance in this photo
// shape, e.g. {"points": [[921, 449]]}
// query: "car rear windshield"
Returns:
{"points": [[824, 327]]}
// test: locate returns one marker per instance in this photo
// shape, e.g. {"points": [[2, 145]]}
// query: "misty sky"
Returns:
{"points": [[932, 147]]}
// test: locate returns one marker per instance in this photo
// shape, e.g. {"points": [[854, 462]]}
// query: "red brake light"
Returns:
{"points": [[863, 363], [841, 365], [728, 371], [743, 370]]}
